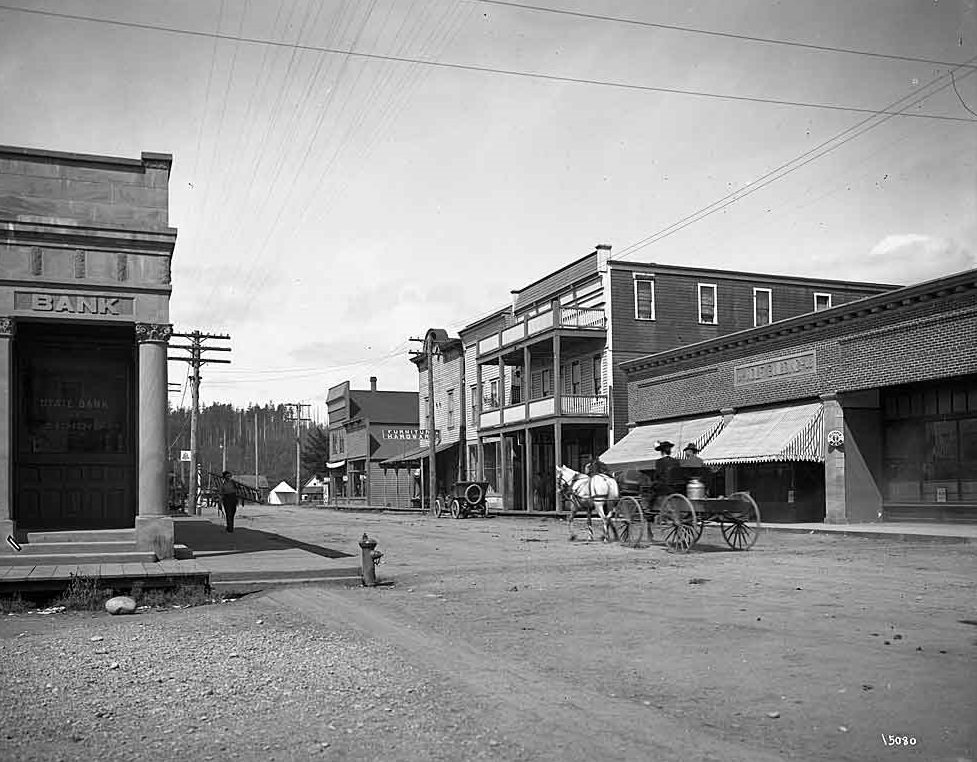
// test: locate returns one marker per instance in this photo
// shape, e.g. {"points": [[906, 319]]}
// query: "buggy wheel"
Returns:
{"points": [[438, 507], [455, 508], [740, 522], [677, 520], [629, 520]]}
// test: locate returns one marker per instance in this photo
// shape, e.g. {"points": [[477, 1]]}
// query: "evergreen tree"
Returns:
{"points": [[315, 451]]}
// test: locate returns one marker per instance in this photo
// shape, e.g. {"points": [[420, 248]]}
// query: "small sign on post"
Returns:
{"points": [[184, 456]]}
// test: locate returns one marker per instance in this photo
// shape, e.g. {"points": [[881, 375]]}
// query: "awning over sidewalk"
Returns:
{"points": [[412, 458], [764, 436], [637, 449]]}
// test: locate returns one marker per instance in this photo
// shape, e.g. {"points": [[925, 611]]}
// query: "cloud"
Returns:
{"points": [[911, 258]]}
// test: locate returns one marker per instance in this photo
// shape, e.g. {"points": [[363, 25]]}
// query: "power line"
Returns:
{"points": [[960, 97], [784, 169], [712, 33], [487, 69]]}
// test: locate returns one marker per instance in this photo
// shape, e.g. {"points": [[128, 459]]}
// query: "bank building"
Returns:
{"points": [[85, 253]]}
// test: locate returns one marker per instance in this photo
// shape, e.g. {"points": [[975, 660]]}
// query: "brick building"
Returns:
{"points": [[366, 428], [542, 376], [85, 251], [861, 412]]}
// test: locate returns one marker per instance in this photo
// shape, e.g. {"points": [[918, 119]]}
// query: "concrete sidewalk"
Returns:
{"points": [[268, 546], [917, 531]]}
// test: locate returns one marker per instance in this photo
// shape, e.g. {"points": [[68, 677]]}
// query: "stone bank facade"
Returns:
{"points": [[85, 253]]}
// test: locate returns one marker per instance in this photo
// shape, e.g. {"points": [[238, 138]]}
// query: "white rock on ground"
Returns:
{"points": [[120, 604]]}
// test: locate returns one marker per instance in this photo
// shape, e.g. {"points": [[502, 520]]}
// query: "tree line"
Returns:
{"points": [[226, 431]]}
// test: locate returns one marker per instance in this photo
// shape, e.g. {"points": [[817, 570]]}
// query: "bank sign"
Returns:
{"points": [[72, 304], [789, 366]]}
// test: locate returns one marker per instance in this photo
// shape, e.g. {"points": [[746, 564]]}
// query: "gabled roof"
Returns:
{"points": [[283, 486], [385, 407]]}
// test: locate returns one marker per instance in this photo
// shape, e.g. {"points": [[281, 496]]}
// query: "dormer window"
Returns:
{"points": [[762, 306], [822, 302]]}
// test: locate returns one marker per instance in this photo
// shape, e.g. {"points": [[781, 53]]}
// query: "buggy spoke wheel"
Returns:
{"points": [[455, 508], [630, 522], [678, 522], [438, 507], [740, 524]]}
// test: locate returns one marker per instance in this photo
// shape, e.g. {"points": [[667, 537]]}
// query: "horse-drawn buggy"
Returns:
{"points": [[634, 506], [463, 500]]}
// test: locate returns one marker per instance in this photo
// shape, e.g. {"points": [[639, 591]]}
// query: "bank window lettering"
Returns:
{"points": [[762, 306], [644, 298], [822, 302], [707, 304]]}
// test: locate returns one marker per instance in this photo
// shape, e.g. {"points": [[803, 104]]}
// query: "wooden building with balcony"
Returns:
{"points": [[545, 383]]}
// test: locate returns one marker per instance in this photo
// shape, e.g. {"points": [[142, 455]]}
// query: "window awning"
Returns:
{"points": [[637, 449], [412, 458], [764, 436], [336, 464]]}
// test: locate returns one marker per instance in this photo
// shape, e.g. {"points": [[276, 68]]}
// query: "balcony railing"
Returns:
{"points": [[570, 317], [595, 406], [586, 406]]}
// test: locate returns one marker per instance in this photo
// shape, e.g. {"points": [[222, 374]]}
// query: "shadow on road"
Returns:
{"points": [[204, 537]]}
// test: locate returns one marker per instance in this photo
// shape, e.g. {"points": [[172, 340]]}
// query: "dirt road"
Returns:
{"points": [[499, 639]]}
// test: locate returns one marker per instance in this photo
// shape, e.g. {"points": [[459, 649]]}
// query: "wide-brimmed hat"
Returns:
{"points": [[663, 445], [690, 446]]}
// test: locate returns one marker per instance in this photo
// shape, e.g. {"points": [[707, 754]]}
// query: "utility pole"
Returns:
{"points": [[295, 409], [432, 485], [196, 349], [223, 451], [256, 450]]}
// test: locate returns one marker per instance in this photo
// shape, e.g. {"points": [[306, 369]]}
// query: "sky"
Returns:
{"points": [[387, 166]]}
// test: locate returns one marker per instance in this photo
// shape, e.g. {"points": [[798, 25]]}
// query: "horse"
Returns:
{"points": [[589, 493]]}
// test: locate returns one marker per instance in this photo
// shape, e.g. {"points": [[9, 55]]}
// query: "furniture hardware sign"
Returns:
{"points": [[790, 366]]}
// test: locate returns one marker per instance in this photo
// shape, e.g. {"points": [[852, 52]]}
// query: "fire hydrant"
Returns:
{"points": [[371, 557]]}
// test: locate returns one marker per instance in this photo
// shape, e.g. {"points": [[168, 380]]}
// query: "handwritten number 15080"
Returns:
{"points": [[890, 740]]}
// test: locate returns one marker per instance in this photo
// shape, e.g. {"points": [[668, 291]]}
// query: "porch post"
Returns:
{"points": [[528, 460], [7, 327], [154, 528], [835, 506], [557, 407]]}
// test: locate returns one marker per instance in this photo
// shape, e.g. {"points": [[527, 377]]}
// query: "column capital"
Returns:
{"points": [[8, 327], [158, 333], [829, 397]]}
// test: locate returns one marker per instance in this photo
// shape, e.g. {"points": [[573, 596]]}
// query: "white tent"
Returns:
{"points": [[283, 494]]}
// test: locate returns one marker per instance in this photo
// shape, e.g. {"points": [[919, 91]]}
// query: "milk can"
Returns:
{"points": [[695, 489]]}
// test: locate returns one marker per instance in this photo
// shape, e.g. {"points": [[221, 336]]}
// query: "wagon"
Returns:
{"points": [[680, 518], [464, 499]]}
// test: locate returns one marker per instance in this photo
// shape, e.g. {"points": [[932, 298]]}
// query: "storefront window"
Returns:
{"points": [[930, 452], [490, 463], [357, 478]]}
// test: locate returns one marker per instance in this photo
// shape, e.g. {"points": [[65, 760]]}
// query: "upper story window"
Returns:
{"points": [[644, 297], [707, 304], [822, 302], [596, 368], [575, 377], [451, 408], [474, 391], [493, 399], [762, 306], [547, 382]]}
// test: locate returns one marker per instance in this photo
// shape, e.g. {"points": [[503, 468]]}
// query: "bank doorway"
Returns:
{"points": [[74, 448]]}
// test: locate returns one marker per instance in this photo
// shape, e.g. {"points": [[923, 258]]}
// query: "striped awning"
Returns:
{"points": [[764, 436], [637, 449]]}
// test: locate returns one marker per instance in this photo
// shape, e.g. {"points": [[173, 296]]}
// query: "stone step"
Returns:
{"points": [[84, 535], [72, 559], [46, 548], [242, 587]]}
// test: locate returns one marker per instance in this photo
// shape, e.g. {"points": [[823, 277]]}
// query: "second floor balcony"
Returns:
{"points": [[573, 318], [571, 405]]}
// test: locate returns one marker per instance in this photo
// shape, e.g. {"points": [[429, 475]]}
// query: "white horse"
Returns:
{"points": [[598, 492]]}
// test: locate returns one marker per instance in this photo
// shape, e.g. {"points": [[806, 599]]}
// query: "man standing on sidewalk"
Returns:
{"points": [[229, 499]]}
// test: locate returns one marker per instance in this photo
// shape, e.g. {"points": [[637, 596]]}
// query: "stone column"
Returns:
{"points": [[154, 527], [7, 327], [835, 505]]}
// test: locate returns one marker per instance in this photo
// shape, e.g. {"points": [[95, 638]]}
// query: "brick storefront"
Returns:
{"points": [[896, 375]]}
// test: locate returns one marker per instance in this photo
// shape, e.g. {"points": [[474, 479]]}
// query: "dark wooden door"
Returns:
{"points": [[75, 448]]}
